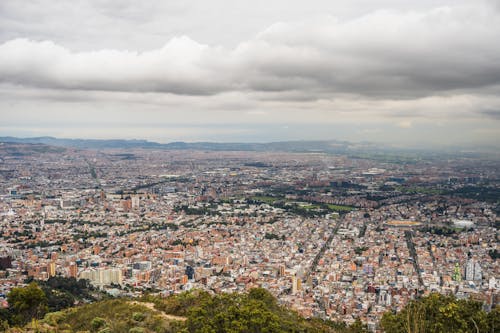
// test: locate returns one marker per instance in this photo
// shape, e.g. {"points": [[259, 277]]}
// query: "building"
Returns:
{"points": [[51, 269], [296, 285], [136, 202], [73, 270], [103, 276], [473, 271]]}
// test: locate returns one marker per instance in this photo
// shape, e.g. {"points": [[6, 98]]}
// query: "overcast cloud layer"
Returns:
{"points": [[231, 72]]}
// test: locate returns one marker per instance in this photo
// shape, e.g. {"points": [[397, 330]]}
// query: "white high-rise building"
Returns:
{"points": [[103, 276], [473, 271], [136, 202], [492, 283]]}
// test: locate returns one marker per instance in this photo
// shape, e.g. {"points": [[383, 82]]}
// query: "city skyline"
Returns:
{"points": [[415, 75], [342, 237]]}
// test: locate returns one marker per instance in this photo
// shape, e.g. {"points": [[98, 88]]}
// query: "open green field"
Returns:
{"points": [[304, 205], [266, 199], [340, 208]]}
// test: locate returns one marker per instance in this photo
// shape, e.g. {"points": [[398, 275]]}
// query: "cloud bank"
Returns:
{"points": [[395, 71], [385, 54]]}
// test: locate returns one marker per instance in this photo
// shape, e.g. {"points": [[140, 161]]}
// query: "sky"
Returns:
{"points": [[403, 73]]}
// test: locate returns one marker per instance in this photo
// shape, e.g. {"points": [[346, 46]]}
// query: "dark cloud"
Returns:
{"points": [[495, 114]]}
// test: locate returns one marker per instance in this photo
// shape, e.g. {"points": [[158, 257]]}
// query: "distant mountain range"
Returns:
{"points": [[361, 149], [288, 146], [82, 143]]}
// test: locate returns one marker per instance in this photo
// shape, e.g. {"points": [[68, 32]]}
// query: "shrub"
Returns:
{"points": [[138, 316], [98, 322]]}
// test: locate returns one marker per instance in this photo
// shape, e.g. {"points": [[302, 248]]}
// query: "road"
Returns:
{"points": [[413, 254]]}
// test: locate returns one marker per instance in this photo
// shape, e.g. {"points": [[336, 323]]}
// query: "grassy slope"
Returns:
{"points": [[195, 311], [117, 316]]}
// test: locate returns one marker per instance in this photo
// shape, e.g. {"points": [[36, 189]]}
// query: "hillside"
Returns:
{"points": [[196, 311], [117, 315], [256, 311]]}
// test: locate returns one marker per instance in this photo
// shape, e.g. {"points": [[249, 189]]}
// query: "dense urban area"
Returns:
{"points": [[335, 236]]}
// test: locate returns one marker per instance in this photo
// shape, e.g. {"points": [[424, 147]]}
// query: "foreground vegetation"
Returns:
{"points": [[256, 311], [194, 311], [437, 313]]}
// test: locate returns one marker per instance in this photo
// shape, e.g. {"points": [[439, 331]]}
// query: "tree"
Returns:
{"points": [[27, 303], [358, 327], [254, 312], [493, 319], [439, 314], [261, 294]]}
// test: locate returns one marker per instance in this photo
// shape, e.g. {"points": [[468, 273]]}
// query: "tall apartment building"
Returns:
{"points": [[103, 276]]}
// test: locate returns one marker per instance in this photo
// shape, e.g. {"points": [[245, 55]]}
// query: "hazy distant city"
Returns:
{"points": [[337, 236]]}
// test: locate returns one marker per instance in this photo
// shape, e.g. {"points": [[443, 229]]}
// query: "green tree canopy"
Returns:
{"points": [[437, 313], [26, 303]]}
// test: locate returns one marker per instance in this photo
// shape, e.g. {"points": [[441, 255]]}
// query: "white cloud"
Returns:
{"points": [[175, 68], [385, 54], [111, 69]]}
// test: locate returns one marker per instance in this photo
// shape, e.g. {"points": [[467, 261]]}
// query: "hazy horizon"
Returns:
{"points": [[396, 72]]}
